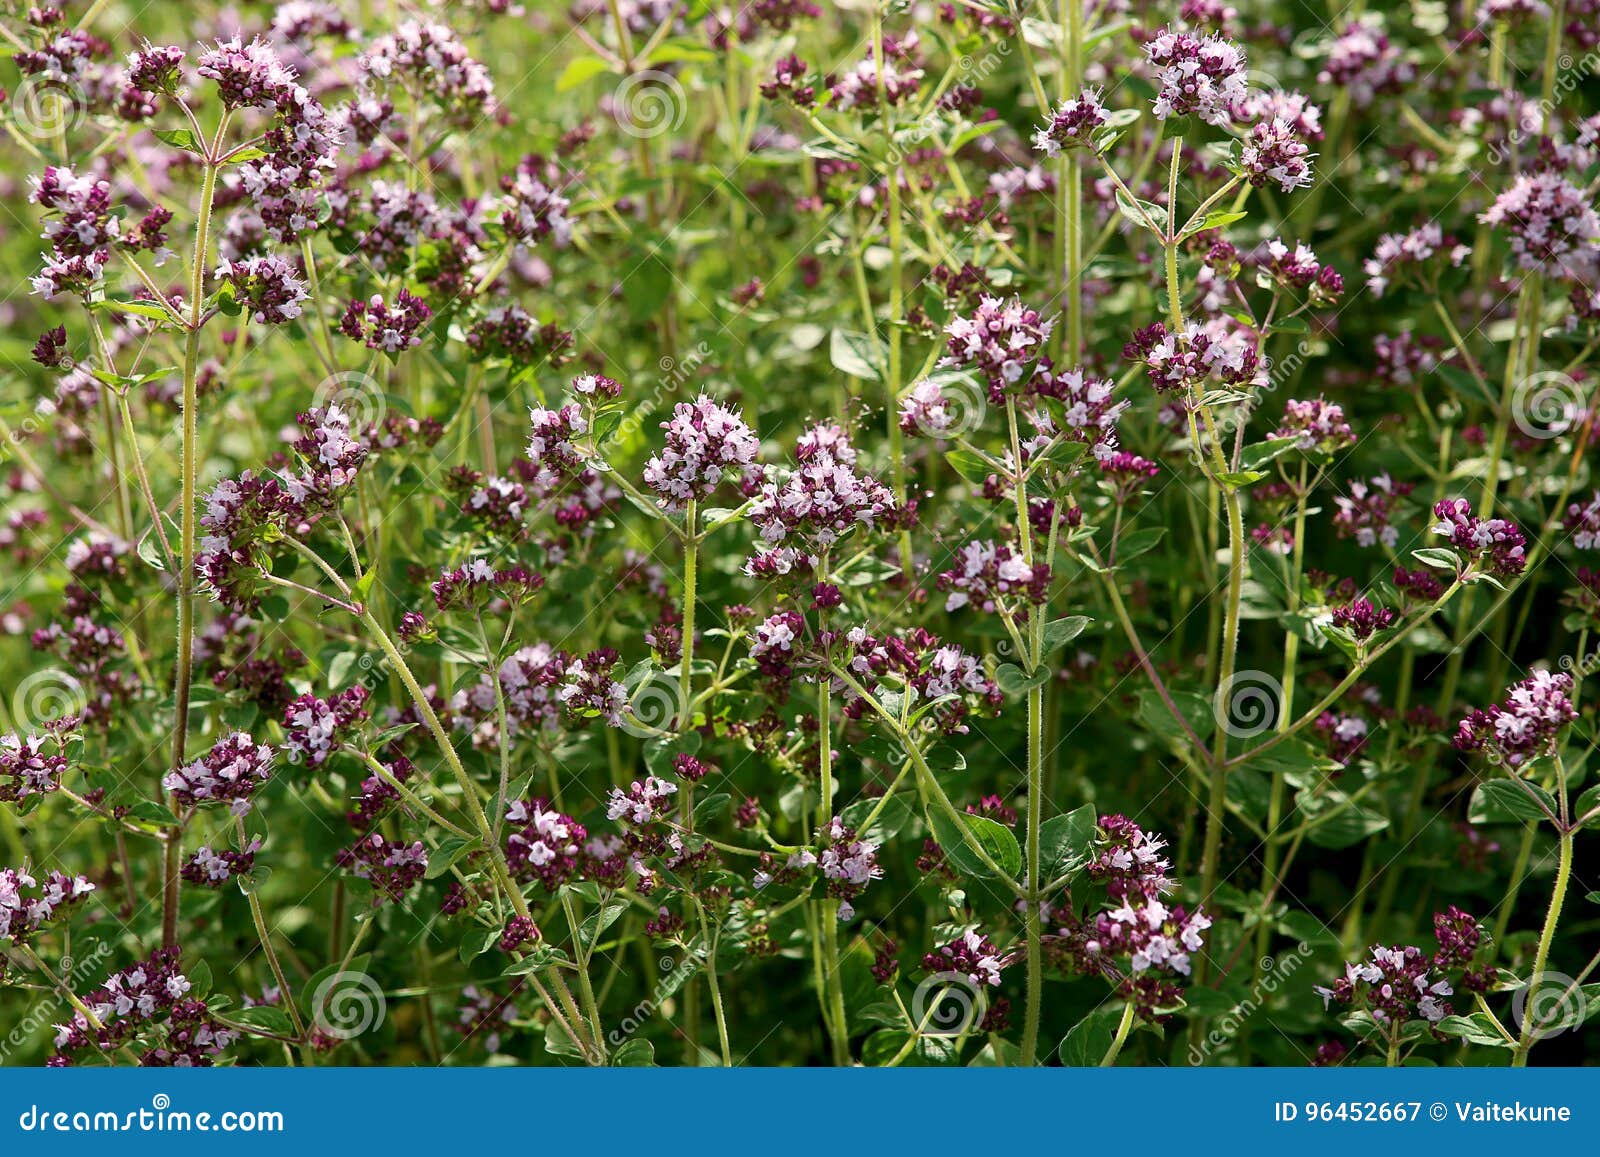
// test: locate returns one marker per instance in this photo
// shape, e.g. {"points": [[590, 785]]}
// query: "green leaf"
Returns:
{"points": [[971, 466], [138, 308], [150, 550], [993, 838], [1131, 545], [891, 821], [1348, 828], [1500, 801], [1138, 210], [1060, 632], [265, 1018], [1437, 557], [559, 1043], [199, 980], [1239, 480], [1086, 1045], [1014, 681], [1250, 792], [711, 807], [1215, 219], [476, 942], [1196, 711], [444, 856], [149, 812], [596, 922], [634, 1054], [579, 70], [1065, 841], [540, 957], [1041, 33], [855, 354], [1476, 1029], [344, 670], [1257, 456], [362, 588], [179, 138]]}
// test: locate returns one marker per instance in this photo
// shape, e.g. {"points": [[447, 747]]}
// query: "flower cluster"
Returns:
{"points": [[315, 728], [209, 868], [393, 867], [1496, 544], [1366, 513], [532, 209], [985, 573], [1552, 223], [80, 228], [971, 954], [704, 441], [847, 863], [1363, 60], [545, 845], [1523, 727], [230, 772], [1128, 860], [1072, 125], [1318, 427], [29, 765], [1273, 153], [824, 499], [1188, 360], [477, 584], [1362, 618], [869, 83], [1410, 257], [26, 906], [1005, 342], [388, 329], [267, 286], [1405, 983], [148, 1004], [1199, 76], [429, 59]]}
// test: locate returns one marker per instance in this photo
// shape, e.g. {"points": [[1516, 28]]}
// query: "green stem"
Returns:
{"points": [[716, 989], [691, 558], [1120, 1039], [1541, 957], [833, 977], [594, 1049], [183, 675], [897, 308]]}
